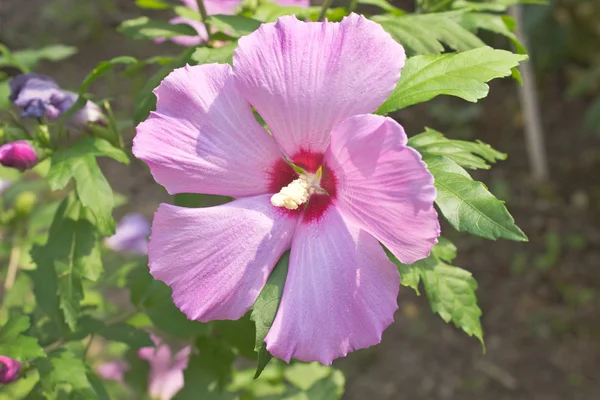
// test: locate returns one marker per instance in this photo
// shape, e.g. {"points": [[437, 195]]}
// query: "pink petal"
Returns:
{"points": [[217, 259], [339, 296], [383, 186], [203, 137], [305, 77]]}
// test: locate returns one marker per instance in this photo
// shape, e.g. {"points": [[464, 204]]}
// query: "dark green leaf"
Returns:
{"points": [[208, 372], [145, 28], [95, 193], [70, 292], [124, 333], [468, 205], [154, 298], [462, 75], [194, 200], [493, 23], [265, 309], [234, 25], [61, 169], [15, 344], [64, 368], [450, 290], [467, 154], [384, 5]]}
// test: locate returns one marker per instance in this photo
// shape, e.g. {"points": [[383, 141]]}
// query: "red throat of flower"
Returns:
{"points": [[310, 192]]}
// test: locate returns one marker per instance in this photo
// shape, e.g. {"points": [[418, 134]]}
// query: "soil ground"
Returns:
{"points": [[540, 300]]}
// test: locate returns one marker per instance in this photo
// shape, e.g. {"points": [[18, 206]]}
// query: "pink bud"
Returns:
{"points": [[9, 370], [20, 155]]}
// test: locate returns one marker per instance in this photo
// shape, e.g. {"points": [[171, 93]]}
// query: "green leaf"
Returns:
{"points": [[64, 369], [125, 333], [70, 292], [384, 5], [466, 154], [208, 372], [95, 193], [235, 25], [102, 69], [29, 58], [427, 33], [462, 75], [61, 169], [493, 23], [207, 55], [269, 12], [450, 290], [152, 4], [468, 205], [154, 298], [265, 309], [70, 254], [145, 28], [13, 342]]}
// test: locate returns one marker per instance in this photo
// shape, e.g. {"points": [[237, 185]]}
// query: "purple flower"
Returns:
{"points": [[315, 85], [131, 235], [226, 7], [40, 96], [166, 369], [20, 155], [9, 370]]}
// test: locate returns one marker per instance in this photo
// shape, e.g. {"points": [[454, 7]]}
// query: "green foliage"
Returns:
{"points": [[265, 309], [28, 59], [474, 155], [468, 205], [235, 25], [450, 290], [462, 75], [145, 28], [61, 370], [15, 343]]}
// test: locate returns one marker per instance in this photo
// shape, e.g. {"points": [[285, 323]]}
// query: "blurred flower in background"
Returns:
{"points": [[166, 369], [40, 96], [9, 370], [20, 155], [226, 7], [4, 185], [131, 235]]}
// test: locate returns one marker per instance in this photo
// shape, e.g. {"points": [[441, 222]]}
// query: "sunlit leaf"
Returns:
{"points": [[462, 75], [472, 155], [234, 25], [146, 28], [450, 290], [468, 205], [265, 308], [62, 367]]}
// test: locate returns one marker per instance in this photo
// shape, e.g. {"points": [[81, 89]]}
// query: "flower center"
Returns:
{"points": [[297, 192]]}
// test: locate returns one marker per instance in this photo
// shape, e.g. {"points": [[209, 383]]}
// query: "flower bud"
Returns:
{"points": [[9, 370], [24, 203], [20, 155]]}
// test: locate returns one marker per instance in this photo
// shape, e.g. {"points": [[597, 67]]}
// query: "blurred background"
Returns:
{"points": [[540, 300]]}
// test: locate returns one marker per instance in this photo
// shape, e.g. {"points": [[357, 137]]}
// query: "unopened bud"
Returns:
{"points": [[20, 155], [9, 370]]}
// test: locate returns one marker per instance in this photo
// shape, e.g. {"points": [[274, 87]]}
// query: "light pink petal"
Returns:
{"points": [[113, 370], [166, 385], [339, 295], [203, 137], [383, 186], [217, 259], [305, 77]]}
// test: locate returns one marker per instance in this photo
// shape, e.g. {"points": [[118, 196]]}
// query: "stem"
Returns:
{"points": [[324, 8], [13, 267], [87, 347], [534, 134], [204, 16]]}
